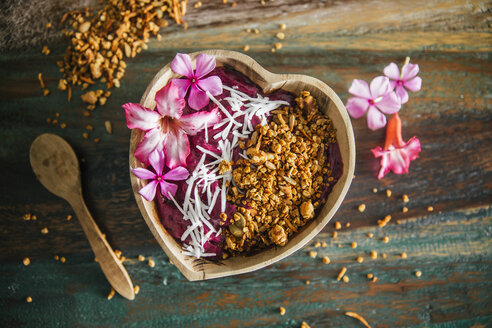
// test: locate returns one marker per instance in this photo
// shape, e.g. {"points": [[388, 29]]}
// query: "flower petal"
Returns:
{"points": [[176, 174], [156, 159], [195, 122], [401, 94], [176, 148], [392, 71], [414, 84], [143, 174], [183, 86], [212, 84], [167, 188], [204, 65], [168, 101], [412, 148], [148, 192], [409, 71], [375, 119], [397, 159], [393, 84], [389, 104], [140, 117], [197, 98], [379, 87], [181, 64], [357, 107], [152, 140], [360, 89]]}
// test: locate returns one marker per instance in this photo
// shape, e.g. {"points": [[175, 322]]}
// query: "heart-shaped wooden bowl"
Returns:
{"points": [[329, 103]]}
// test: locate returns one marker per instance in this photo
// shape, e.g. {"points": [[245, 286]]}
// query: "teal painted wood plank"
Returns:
{"points": [[453, 252]]}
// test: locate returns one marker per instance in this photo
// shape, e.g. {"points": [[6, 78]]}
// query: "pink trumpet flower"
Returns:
{"points": [[166, 128], [376, 99], [396, 155], [157, 162], [194, 80], [407, 79]]}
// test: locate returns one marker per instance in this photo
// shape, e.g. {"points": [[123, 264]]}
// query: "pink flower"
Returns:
{"points": [[406, 79], [198, 98], [167, 128], [397, 154], [378, 97], [156, 160]]}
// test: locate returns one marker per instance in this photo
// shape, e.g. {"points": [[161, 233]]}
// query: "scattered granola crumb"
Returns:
{"points": [[307, 282], [44, 231], [388, 193], [96, 140], [46, 92], [95, 259], [41, 81], [418, 273], [347, 224], [69, 217], [122, 259], [323, 244], [430, 208], [282, 310], [118, 253], [398, 222], [108, 126], [277, 45], [151, 263], [141, 258], [136, 289], [256, 31], [369, 276], [63, 125], [198, 4], [405, 198], [404, 209], [403, 255], [89, 127], [317, 244], [342, 273], [54, 122], [339, 245], [326, 260], [374, 279], [28, 299], [45, 51], [63, 259], [374, 190], [246, 48], [305, 325], [57, 257], [313, 254], [280, 35], [358, 317], [335, 234], [338, 225], [354, 244], [85, 135], [48, 25], [26, 261], [374, 254], [383, 222], [385, 239], [383, 255], [27, 217], [34, 218], [362, 207], [370, 235], [111, 294], [345, 279], [283, 26], [360, 259]]}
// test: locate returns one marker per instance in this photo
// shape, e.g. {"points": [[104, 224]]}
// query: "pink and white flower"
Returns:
{"points": [[407, 79], [376, 99], [397, 154], [194, 80], [166, 128], [157, 161]]}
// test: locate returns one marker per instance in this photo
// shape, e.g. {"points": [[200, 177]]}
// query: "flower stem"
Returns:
{"points": [[407, 60]]}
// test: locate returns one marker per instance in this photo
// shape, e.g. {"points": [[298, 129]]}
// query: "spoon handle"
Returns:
{"points": [[114, 271]]}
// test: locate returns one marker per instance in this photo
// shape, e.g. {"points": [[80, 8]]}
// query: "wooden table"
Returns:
{"points": [[335, 42]]}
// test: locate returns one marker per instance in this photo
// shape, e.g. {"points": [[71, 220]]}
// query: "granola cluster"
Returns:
{"points": [[278, 189]]}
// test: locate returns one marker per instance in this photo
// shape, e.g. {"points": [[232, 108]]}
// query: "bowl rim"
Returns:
{"points": [[199, 269]]}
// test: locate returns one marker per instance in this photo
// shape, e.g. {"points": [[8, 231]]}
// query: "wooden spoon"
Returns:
{"points": [[55, 164]]}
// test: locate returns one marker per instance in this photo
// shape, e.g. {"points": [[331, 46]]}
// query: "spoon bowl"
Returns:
{"points": [[56, 166]]}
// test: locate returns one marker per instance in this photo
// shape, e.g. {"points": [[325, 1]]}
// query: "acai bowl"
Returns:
{"points": [[233, 167]]}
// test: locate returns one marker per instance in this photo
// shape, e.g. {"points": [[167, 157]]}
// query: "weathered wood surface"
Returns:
{"points": [[335, 42]]}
